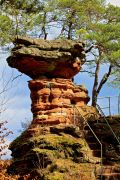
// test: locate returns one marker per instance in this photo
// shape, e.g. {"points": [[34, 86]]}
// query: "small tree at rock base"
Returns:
{"points": [[4, 133]]}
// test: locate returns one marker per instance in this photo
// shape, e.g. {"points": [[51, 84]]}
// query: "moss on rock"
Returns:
{"points": [[53, 156]]}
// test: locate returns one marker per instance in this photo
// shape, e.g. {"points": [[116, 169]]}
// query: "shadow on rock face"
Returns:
{"points": [[50, 58]]}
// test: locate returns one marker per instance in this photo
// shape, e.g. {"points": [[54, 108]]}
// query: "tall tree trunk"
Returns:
{"points": [[104, 79], [70, 31], [97, 87], [44, 24], [94, 91], [44, 33], [71, 24], [17, 24]]}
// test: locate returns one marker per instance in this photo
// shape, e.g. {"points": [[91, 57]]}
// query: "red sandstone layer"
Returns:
{"points": [[53, 100]]}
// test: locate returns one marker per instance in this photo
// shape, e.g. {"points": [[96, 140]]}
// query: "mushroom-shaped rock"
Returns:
{"points": [[49, 58]]}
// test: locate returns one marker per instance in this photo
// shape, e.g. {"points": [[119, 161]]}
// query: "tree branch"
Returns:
{"points": [[2, 1], [94, 91], [117, 64], [88, 61], [88, 72], [17, 76], [104, 79], [90, 48]]}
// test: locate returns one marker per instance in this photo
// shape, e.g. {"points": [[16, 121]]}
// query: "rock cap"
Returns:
{"points": [[60, 58]]}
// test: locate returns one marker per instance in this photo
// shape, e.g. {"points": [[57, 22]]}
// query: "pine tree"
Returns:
{"points": [[102, 34], [93, 21]]}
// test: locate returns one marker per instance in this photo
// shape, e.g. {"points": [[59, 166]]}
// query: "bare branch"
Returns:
{"points": [[92, 73], [117, 64], [17, 77], [5, 84], [88, 61], [89, 49], [95, 55]]}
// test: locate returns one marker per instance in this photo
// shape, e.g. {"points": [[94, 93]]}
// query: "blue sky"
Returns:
{"points": [[18, 105]]}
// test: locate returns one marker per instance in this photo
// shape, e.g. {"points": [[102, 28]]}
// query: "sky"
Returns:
{"points": [[16, 100], [114, 2]]}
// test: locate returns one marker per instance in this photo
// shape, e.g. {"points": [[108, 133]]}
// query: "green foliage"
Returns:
{"points": [[89, 20], [102, 30], [5, 29], [24, 5], [19, 18], [51, 154]]}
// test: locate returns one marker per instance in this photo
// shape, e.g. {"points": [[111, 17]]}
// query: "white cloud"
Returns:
{"points": [[114, 2]]}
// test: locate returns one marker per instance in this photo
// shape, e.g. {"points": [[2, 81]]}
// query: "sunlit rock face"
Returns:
{"points": [[53, 100], [49, 58], [59, 144], [52, 139], [51, 64]]}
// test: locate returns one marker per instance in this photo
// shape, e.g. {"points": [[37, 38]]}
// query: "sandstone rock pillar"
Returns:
{"points": [[51, 137], [51, 65], [53, 100]]}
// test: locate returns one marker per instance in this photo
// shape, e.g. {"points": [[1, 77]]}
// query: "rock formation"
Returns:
{"points": [[51, 65], [53, 147], [42, 58]]}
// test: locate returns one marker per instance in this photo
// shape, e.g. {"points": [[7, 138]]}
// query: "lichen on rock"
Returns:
{"points": [[57, 155], [50, 58], [53, 147]]}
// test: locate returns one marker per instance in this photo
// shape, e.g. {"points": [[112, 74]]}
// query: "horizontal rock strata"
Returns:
{"points": [[54, 58], [53, 100]]}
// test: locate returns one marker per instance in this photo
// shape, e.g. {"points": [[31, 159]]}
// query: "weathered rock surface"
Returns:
{"points": [[51, 64], [56, 153], [54, 58], [59, 143], [66, 152], [53, 100]]}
